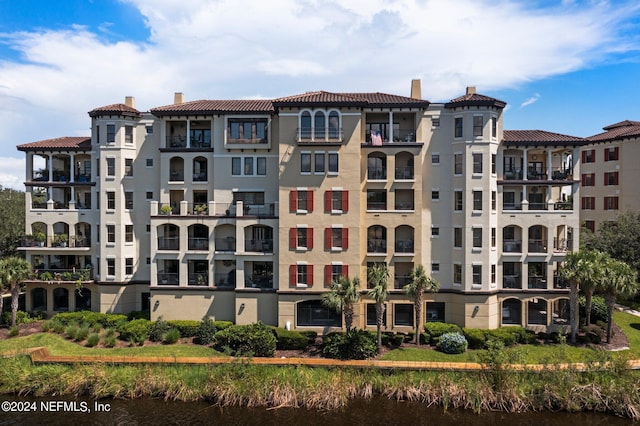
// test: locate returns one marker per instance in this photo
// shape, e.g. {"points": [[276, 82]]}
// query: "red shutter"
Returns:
{"points": [[615, 202], [615, 178], [309, 238], [345, 238], [606, 154], [293, 275], [584, 156], [583, 201], [345, 270], [616, 156], [327, 274], [293, 238], [293, 201], [327, 201], [593, 155], [309, 201], [327, 238], [345, 201], [584, 180], [309, 275]]}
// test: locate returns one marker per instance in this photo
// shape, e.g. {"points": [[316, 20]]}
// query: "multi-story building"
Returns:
{"points": [[610, 174], [246, 210]]}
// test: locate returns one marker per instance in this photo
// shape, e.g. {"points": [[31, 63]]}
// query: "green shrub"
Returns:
{"points": [[354, 344], [504, 334], [310, 334], [39, 315], [21, 318], [205, 332], [110, 341], [246, 340], [171, 336], [14, 331], [386, 337], [93, 339], [290, 340], [476, 337], [114, 320], [71, 331], [397, 339], [133, 315], [598, 309], [83, 332], [437, 329], [452, 343], [109, 332], [57, 327], [222, 325], [593, 334], [424, 338], [137, 330], [410, 337], [79, 317], [158, 329], [187, 328]]}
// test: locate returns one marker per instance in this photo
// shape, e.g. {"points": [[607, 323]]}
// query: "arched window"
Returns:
{"points": [[334, 125], [512, 239], [305, 125], [168, 237], [537, 312], [561, 311], [39, 299], [538, 239], [199, 169], [60, 299], [377, 166], [176, 169], [512, 311], [319, 125], [404, 239], [376, 239], [198, 237], [315, 313], [83, 299]]}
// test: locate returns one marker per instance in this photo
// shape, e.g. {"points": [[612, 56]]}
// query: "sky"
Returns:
{"points": [[566, 66]]}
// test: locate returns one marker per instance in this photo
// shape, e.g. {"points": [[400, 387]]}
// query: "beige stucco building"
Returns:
{"points": [[245, 210]]}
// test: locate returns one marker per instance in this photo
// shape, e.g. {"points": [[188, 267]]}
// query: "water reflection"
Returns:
{"points": [[360, 412]]}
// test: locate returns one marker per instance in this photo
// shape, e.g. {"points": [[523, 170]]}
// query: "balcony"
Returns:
{"points": [[376, 245], [176, 175], [259, 246], [557, 174], [58, 275], [562, 245], [404, 246], [404, 173], [512, 246], [537, 245], [198, 243], [537, 282], [559, 283], [512, 281], [168, 243], [225, 280], [510, 205], [227, 244], [307, 135], [399, 281], [376, 173], [258, 281], [199, 278], [168, 278]]}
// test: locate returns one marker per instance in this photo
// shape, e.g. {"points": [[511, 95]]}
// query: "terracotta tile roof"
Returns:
{"points": [[376, 99], [539, 138], [475, 99], [623, 130], [115, 109], [259, 106], [65, 143]]}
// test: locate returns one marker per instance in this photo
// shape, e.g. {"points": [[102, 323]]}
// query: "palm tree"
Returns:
{"points": [[13, 272], [419, 282], [343, 295], [619, 279], [597, 263], [579, 268], [377, 279]]}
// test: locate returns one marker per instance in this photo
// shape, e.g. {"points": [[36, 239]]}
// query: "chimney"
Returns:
{"points": [[471, 90], [416, 90], [130, 101], [178, 98]]}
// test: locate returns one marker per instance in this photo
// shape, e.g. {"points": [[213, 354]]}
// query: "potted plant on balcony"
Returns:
{"points": [[61, 240], [200, 279], [200, 209], [39, 238], [165, 209]]}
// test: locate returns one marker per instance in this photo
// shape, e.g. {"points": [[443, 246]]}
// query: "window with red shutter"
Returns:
{"points": [[309, 238], [345, 270], [293, 201], [327, 201], [327, 238], [345, 238], [293, 238], [327, 274], [309, 201], [345, 201], [293, 275], [309, 275]]}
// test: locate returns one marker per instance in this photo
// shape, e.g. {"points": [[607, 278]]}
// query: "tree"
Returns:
{"points": [[377, 280], [619, 279], [620, 239], [12, 223], [597, 262], [343, 294], [13, 272], [578, 268], [419, 283]]}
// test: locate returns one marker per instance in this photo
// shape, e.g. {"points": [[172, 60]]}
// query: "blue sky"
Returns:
{"points": [[566, 66]]}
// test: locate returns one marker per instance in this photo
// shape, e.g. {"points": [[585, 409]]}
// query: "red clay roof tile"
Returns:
{"points": [[114, 109], [475, 99], [65, 143], [539, 137], [260, 106], [623, 130]]}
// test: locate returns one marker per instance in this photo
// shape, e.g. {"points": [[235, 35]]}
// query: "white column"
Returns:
{"points": [[188, 133], [390, 126], [50, 166]]}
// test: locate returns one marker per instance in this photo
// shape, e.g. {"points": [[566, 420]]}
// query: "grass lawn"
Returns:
{"points": [[58, 345]]}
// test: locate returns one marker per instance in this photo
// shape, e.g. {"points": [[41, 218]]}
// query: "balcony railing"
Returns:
{"points": [[260, 246], [376, 205], [537, 282], [404, 246], [557, 174], [324, 135], [258, 281], [168, 243], [198, 278], [198, 243], [562, 244], [176, 175], [376, 245], [511, 206], [403, 205], [537, 245], [538, 206], [404, 173], [399, 281], [225, 244], [376, 173], [404, 135], [512, 281], [559, 282], [168, 278], [225, 280], [73, 274], [512, 246], [177, 141]]}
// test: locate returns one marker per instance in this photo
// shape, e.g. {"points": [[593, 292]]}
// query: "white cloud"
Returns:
{"points": [[234, 49], [531, 100], [12, 172]]}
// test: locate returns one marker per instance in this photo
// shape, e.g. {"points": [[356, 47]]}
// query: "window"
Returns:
{"points": [[476, 270], [494, 127], [611, 203], [249, 198], [611, 154], [301, 201], [477, 200], [149, 129], [111, 266], [494, 200], [334, 272], [457, 200], [435, 121], [236, 166], [305, 162], [128, 134], [149, 195], [301, 275], [435, 158], [111, 200], [493, 237], [336, 201], [457, 164], [435, 267], [261, 166], [435, 195], [493, 164], [149, 162], [128, 233], [111, 233], [493, 274], [111, 133], [301, 238], [333, 162], [610, 178], [336, 238], [128, 266], [457, 237], [128, 200], [589, 156], [372, 315], [435, 231], [403, 314], [376, 239], [98, 134], [247, 130], [477, 237], [457, 273], [589, 179], [248, 166], [97, 167], [590, 225], [111, 166], [477, 162], [457, 127], [588, 203], [318, 164], [315, 313], [128, 167], [478, 124], [148, 228], [376, 199]]}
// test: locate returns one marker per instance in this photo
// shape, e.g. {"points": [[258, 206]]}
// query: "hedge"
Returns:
{"points": [[187, 328], [290, 340]]}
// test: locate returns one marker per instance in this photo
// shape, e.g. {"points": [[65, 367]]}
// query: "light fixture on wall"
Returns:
{"points": [[534, 157]]}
